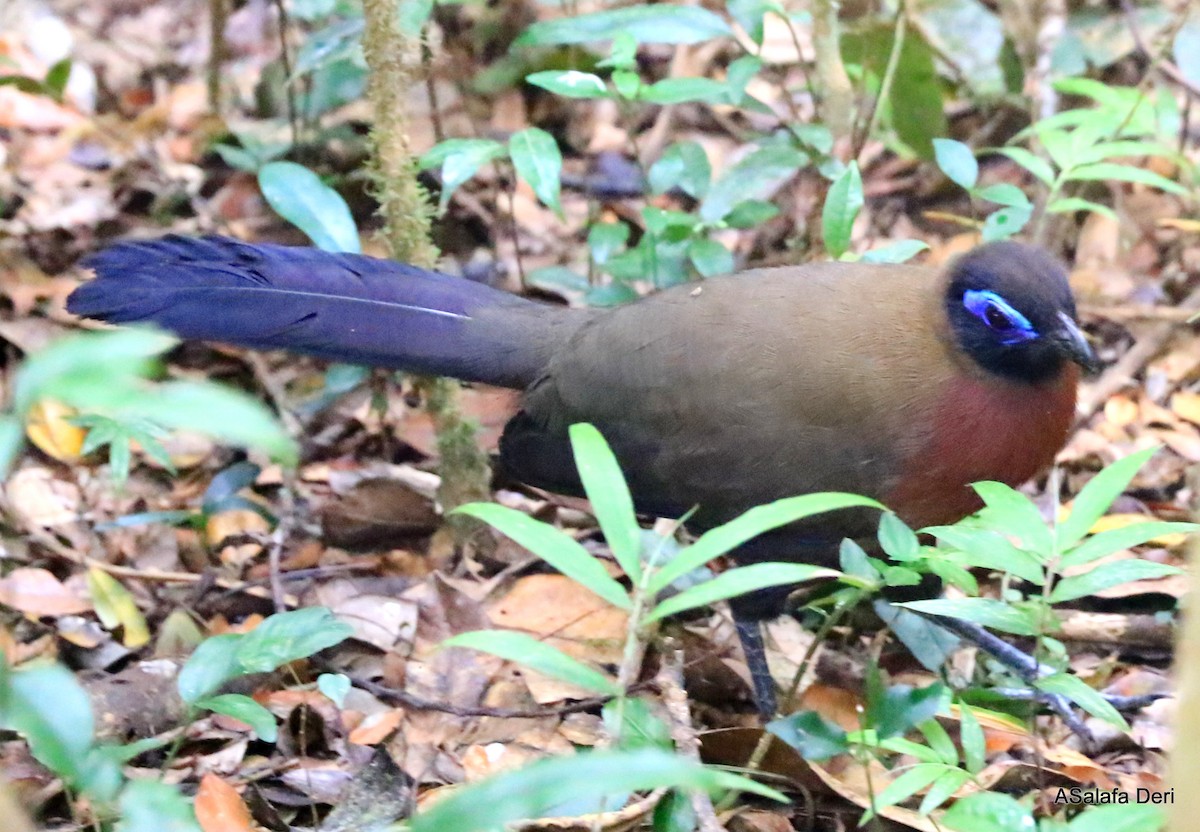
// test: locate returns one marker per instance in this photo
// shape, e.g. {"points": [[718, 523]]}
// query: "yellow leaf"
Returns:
{"points": [[1120, 521], [116, 607], [48, 428], [1187, 406]]}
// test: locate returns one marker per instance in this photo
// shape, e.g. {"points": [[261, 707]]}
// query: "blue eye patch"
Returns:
{"points": [[1000, 317]]}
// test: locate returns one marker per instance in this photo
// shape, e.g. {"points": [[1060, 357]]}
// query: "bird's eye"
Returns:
{"points": [[994, 317], [999, 315]]}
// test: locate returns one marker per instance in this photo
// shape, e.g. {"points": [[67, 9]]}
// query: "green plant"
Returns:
{"points": [[1080, 146], [47, 705], [1010, 537], [279, 639], [995, 812], [652, 563], [106, 376]]}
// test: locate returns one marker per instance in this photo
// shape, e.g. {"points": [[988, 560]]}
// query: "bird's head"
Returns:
{"points": [[1011, 311]]}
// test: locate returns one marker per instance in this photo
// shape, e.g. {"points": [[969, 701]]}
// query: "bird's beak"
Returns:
{"points": [[1074, 344]]}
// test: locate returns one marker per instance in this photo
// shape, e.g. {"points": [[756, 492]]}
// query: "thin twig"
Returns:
{"points": [[420, 704], [670, 681]]}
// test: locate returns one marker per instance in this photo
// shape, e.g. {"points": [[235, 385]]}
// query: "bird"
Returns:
{"points": [[903, 383]]}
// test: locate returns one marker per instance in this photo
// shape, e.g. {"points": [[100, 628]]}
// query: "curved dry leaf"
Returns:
{"points": [[49, 428], [37, 593], [219, 808]]}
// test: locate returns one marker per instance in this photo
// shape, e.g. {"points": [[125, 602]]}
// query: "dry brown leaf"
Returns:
{"points": [[1121, 410], [567, 616], [219, 808], [39, 498], [36, 592], [375, 727]]}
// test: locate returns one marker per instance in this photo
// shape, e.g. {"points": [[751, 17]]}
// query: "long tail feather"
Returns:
{"points": [[343, 307]]}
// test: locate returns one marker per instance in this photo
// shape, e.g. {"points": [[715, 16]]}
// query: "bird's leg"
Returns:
{"points": [[750, 635]]}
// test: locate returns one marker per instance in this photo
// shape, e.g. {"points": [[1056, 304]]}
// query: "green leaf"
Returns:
{"points": [[915, 97], [605, 487], [1118, 149], [1002, 193], [738, 75], [756, 176], [300, 197], [901, 251], [751, 213], [749, 15], [957, 161], [988, 812], [929, 643], [1095, 498], [645, 24], [604, 240], [538, 161], [754, 522], [939, 740], [459, 159], [1011, 513], [226, 484], [532, 791], [90, 371], [1114, 540], [623, 54], [974, 744], [811, 734], [900, 707], [526, 650], [1083, 695], [218, 411], [627, 83], [683, 165], [1132, 817], [1033, 163], [47, 706], [985, 611], [211, 665], [57, 77], [1109, 575], [682, 90], [943, 789], [1002, 224], [988, 549], [896, 539], [326, 46], [1105, 171], [334, 686], [412, 15], [154, 806], [738, 581], [570, 83], [245, 709], [1071, 204], [558, 549], [635, 725], [710, 257], [288, 636], [908, 784], [12, 440], [842, 204], [853, 560]]}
